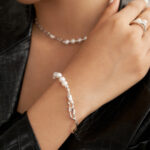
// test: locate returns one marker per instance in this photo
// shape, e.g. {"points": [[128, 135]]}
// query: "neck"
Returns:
{"points": [[69, 18]]}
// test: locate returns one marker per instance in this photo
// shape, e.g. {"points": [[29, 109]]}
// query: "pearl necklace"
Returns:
{"points": [[63, 41]]}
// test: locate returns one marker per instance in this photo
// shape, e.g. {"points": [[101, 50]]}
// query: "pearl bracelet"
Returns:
{"points": [[64, 83]]}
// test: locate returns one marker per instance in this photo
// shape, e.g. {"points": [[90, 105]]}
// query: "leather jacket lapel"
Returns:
{"points": [[12, 67]]}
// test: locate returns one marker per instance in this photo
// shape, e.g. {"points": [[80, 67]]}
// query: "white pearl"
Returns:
{"points": [[85, 38], [139, 20], [66, 42], [52, 36], [73, 41], [68, 89], [79, 40], [70, 99], [64, 84], [57, 75], [62, 79], [145, 21], [69, 103]]}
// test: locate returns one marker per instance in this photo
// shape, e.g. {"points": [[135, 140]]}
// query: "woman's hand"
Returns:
{"points": [[115, 57]]}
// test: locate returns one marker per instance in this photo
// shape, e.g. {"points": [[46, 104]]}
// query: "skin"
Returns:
{"points": [[96, 71], [38, 77]]}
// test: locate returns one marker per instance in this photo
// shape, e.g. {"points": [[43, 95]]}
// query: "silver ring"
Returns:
{"points": [[141, 22]]}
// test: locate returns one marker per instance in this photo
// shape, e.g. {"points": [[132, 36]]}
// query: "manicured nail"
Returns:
{"points": [[148, 3], [110, 1]]}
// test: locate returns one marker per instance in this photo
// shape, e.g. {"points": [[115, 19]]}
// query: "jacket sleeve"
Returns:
{"points": [[144, 145], [19, 136]]}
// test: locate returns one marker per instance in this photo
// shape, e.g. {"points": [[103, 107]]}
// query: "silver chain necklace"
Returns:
{"points": [[63, 41]]}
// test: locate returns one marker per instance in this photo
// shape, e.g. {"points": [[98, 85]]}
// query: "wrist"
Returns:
{"points": [[49, 118], [88, 96]]}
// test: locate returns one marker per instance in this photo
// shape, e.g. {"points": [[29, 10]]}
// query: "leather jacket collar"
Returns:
{"points": [[15, 37]]}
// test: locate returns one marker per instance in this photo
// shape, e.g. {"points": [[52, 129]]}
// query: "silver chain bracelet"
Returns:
{"points": [[64, 83]]}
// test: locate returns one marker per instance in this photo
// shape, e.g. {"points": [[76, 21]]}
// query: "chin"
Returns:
{"points": [[28, 1]]}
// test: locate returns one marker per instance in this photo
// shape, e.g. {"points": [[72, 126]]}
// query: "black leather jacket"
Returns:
{"points": [[122, 124]]}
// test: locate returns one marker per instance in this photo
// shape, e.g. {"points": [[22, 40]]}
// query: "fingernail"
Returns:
{"points": [[110, 1], [148, 3]]}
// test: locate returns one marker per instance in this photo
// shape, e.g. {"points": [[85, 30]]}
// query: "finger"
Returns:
{"points": [[110, 10], [132, 10], [144, 15]]}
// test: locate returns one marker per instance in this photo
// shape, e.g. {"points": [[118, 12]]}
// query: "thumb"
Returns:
{"points": [[111, 9]]}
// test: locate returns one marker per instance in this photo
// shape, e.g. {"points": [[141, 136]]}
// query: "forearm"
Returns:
{"points": [[49, 116], [50, 119]]}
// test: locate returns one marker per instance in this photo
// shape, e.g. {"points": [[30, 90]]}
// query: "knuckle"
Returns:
{"points": [[133, 6], [132, 38], [117, 22]]}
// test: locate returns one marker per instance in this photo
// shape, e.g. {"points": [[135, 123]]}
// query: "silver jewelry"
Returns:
{"points": [[64, 83], [141, 22], [52, 36]]}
